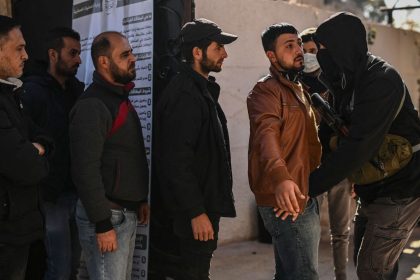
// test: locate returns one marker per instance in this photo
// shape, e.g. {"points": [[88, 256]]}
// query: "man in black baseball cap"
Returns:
{"points": [[191, 150], [202, 28]]}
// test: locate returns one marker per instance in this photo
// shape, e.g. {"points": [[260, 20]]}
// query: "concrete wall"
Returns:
{"points": [[5, 8], [247, 63]]}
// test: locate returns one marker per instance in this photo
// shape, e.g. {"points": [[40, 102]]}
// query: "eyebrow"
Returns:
{"points": [[292, 41], [126, 52]]}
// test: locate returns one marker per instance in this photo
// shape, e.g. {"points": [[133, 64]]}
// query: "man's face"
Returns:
{"points": [[310, 47], [212, 59], [12, 54], [122, 61], [68, 58], [288, 54]]}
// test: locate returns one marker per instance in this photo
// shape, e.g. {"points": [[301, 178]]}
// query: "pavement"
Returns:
{"points": [[252, 260]]}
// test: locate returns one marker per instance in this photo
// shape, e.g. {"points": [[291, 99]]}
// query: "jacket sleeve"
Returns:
{"points": [[20, 161], [179, 130], [90, 121], [264, 109], [34, 100], [374, 110]]}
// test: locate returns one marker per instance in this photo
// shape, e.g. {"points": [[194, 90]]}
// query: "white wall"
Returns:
{"points": [[247, 63]]}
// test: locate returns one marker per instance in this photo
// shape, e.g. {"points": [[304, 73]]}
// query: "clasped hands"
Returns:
{"points": [[286, 195]]}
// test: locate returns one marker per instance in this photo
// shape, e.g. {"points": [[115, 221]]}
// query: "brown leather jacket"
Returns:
{"points": [[283, 142]]}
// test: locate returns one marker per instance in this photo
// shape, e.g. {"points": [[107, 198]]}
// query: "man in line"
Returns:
{"points": [[192, 160], [23, 160], [361, 83], [283, 150], [109, 164], [49, 98], [339, 197]]}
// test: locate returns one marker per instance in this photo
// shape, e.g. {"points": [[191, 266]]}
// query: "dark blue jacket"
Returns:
{"points": [[49, 105]]}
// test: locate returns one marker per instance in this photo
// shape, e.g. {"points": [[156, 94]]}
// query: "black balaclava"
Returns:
{"points": [[344, 37]]}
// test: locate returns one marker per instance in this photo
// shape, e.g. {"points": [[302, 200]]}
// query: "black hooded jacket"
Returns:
{"points": [[367, 93]]}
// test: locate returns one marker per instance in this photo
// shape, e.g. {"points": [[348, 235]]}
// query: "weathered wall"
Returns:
{"points": [[247, 63], [5, 8]]}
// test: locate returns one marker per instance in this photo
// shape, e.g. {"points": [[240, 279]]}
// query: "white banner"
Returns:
{"points": [[133, 18]]}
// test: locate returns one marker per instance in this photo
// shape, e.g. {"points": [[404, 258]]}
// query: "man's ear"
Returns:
{"points": [[271, 56], [103, 62], [52, 56], [197, 53]]}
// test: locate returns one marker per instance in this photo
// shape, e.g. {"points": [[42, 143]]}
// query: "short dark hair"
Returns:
{"points": [[269, 35], [308, 34], [6, 25], [101, 46], [186, 49], [54, 39]]}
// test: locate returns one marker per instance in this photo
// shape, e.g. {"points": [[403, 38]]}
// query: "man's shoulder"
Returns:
{"points": [[265, 79], [181, 85], [379, 72], [37, 86], [266, 84]]}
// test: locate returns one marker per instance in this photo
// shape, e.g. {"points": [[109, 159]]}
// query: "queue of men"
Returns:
{"points": [[74, 171]]}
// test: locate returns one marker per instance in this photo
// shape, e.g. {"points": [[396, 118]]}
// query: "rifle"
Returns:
{"points": [[328, 114], [332, 119]]}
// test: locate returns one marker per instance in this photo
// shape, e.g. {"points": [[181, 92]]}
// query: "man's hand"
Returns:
{"points": [[40, 148], [107, 241], [286, 194], [284, 214], [143, 213], [202, 228]]}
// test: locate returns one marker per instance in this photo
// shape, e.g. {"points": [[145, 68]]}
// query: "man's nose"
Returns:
{"points": [[24, 55], [224, 53]]}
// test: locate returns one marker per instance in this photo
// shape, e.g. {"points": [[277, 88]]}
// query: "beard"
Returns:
{"points": [[210, 65], [292, 68], [65, 70], [120, 76]]}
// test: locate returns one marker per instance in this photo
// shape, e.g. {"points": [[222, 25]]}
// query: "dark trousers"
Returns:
{"points": [[195, 258], [389, 225], [195, 255], [184, 258], [13, 261]]}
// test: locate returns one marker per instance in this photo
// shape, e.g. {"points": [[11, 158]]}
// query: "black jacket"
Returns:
{"points": [[21, 169], [49, 105], [367, 96], [107, 152], [191, 148]]}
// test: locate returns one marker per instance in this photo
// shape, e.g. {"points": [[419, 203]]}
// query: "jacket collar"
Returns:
{"points": [[205, 85], [119, 90], [296, 88]]}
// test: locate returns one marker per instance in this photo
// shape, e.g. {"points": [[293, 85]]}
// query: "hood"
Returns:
{"points": [[14, 82], [344, 36]]}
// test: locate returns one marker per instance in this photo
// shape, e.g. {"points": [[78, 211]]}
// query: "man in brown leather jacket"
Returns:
{"points": [[283, 150]]}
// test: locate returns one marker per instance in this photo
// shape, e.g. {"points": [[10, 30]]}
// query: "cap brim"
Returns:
{"points": [[224, 38]]}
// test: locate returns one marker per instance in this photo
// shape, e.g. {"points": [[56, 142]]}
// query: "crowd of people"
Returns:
{"points": [[74, 172]]}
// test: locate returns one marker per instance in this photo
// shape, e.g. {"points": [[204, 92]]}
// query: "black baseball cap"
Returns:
{"points": [[202, 28]]}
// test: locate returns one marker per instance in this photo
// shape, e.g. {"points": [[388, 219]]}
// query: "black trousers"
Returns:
{"points": [[184, 258], [195, 255], [13, 261]]}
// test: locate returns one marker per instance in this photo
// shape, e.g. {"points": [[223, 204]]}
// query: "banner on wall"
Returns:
{"points": [[133, 18]]}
